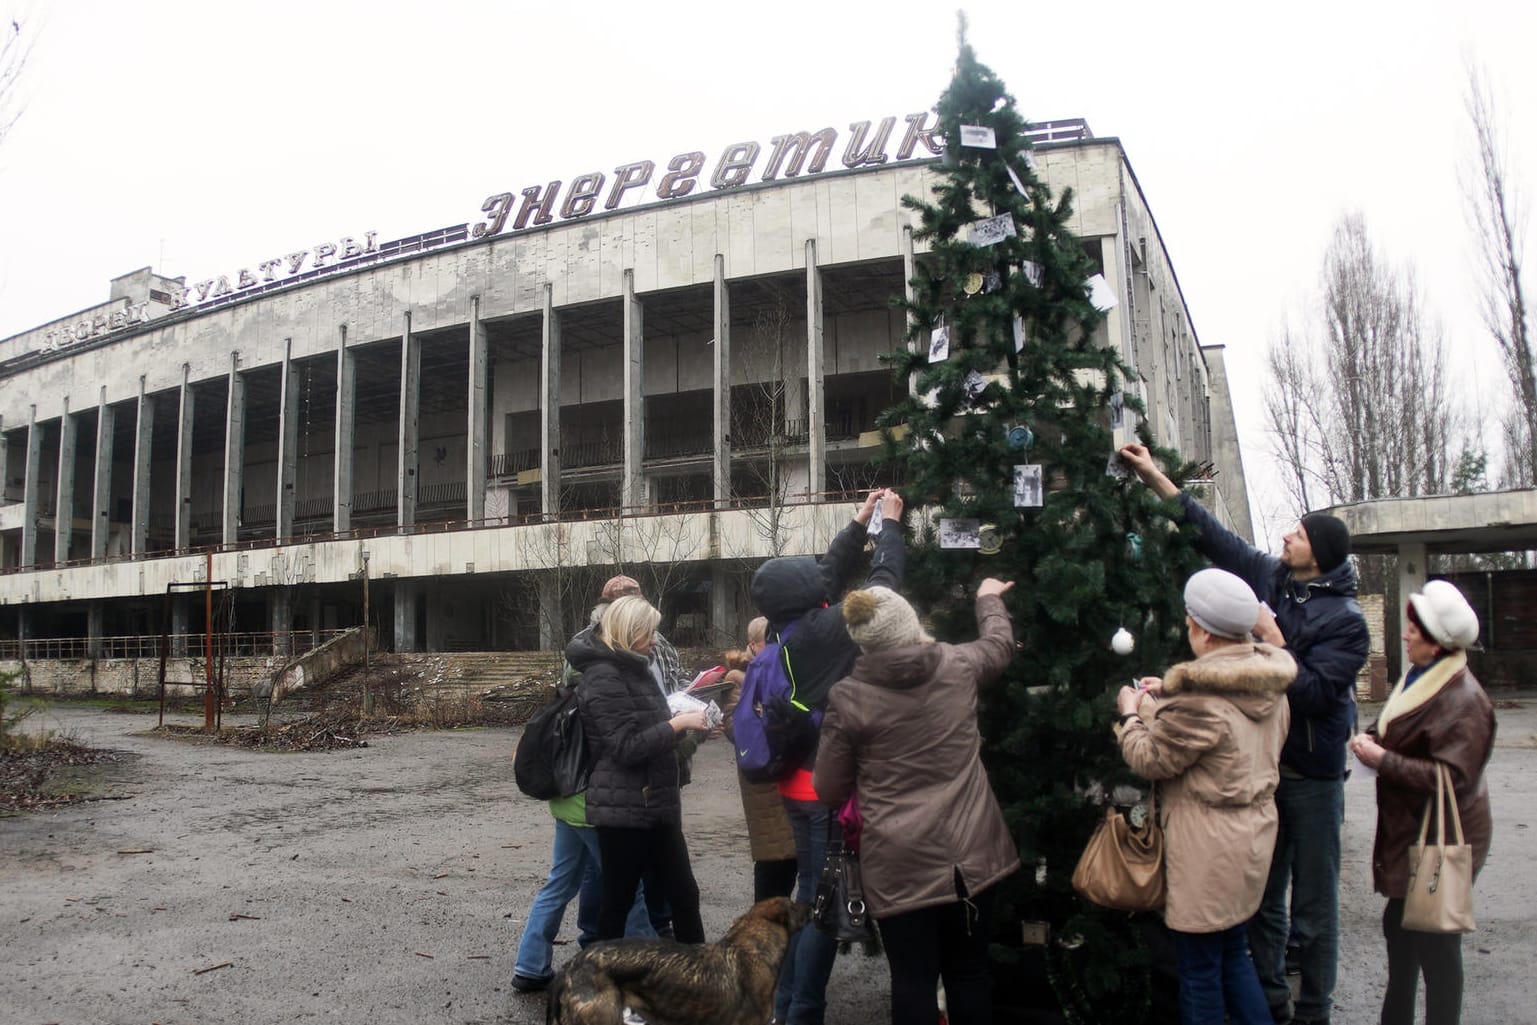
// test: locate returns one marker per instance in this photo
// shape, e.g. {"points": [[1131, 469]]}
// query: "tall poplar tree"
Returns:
{"points": [[1008, 371]]}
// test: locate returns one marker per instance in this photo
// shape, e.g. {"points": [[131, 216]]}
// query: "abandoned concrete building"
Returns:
{"points": [[474, 426]]}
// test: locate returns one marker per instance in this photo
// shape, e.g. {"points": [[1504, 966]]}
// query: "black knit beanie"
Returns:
{"points": [[1329, 537]]}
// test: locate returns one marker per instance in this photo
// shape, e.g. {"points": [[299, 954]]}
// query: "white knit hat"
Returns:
{"points": [[880, 618], [1221, 603], [1446, 615]]}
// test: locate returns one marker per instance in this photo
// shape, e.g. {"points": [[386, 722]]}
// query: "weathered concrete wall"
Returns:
{"points": [[317, 666], [137, 677]]}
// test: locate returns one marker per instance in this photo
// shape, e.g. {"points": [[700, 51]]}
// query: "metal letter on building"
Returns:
{"points": [[916, 133], [628, 176], [735, 165], [583, 195], [682, 173], [797, 146], [858, 154], [498, 207], [539, 202]]}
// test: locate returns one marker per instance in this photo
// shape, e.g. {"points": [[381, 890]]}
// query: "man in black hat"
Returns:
{"points": [[1311, 587]]}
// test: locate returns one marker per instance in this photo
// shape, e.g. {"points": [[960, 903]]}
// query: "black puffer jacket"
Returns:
{"points": [[803, 589], [634, 782], [1325, 632]]}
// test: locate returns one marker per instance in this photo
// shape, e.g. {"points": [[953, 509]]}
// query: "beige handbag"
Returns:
{"points": [[1122, 867], [1440, 897]]}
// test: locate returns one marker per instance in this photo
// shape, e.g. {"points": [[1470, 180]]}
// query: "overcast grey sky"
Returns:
{"points": [[201, 137]]}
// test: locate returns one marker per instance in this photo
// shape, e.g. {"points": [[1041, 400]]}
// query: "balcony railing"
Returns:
{"points": [[231, 645]]}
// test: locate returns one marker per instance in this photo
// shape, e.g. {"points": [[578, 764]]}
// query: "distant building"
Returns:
{"points": [[488, 418]]}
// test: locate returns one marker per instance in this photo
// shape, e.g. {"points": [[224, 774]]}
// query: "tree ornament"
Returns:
{"points": [[1134, 545], [990, 542], [973, 283], [1123, 642]]}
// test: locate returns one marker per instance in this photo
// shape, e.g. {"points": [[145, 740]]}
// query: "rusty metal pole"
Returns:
{"points": [[208, 698]]}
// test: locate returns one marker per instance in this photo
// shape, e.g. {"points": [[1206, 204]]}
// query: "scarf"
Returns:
{"points": [[1427, 685]]}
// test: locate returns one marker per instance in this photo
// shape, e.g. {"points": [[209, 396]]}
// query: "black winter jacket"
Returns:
{"points": [[634, 782], [1325, 631], [810, 591]]}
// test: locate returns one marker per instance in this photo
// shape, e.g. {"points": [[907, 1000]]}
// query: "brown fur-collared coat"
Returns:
{"points": [[768, 827], [1213, 742], [1444, 716]]}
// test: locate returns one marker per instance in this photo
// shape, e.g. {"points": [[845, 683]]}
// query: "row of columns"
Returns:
{"points": [[632, 486]]}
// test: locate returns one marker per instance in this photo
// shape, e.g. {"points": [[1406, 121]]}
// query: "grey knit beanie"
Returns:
{"points": [[880, 618], [1221, 603]]}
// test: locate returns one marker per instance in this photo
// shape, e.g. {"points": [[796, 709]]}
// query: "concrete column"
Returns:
{"points": [[234, 451], [816, 428], [405, 616], [1411, 577], [101, 487], [288, 445], [280, 619], [551, 635], [64, 507], [909, 271], [143, 445], [93, 628], [549, 408], [632, 488], [721, 468], [314, 619], [181, 623], [410, 417], [184, 411], [29, 493], [346, 408], [475, 430], [722, 621]]}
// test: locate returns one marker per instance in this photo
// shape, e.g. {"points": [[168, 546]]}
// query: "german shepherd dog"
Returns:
{"points": [[730, 982]]}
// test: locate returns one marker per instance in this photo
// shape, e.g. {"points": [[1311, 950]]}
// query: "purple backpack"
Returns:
{"points": [[775, 733]]}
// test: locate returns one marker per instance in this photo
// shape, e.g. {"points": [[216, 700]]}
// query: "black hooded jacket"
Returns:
{"points": [[810, 591]]}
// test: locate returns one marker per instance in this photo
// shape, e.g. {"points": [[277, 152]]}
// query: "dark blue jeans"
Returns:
{"points": [[801, 997], [1216, 977], [1307, 864]]}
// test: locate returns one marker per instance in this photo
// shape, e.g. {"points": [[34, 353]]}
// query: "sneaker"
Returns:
{"points": [[529, 984]]}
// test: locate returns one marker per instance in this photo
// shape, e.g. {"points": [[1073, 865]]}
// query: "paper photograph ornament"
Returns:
{"points": [[960, 532], [1028, 490], [1019, 186], [991, 230], [1032, 272], [991, 282], [973, 386], [978, 137], [1117, 467], [939, 344], [1101, 295], [1019, 334]]}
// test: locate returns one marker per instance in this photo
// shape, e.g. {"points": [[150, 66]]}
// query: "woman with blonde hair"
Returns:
{"points": [[633, 792], [1437, 715]]}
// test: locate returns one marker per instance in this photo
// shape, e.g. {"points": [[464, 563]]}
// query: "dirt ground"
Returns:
{"points": [[222, 885]]}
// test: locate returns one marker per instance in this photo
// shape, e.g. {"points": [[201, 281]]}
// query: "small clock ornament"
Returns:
{"points": [[1123, 642]]}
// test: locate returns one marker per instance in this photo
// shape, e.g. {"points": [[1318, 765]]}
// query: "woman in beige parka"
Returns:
{"points": [[1209, 733]]}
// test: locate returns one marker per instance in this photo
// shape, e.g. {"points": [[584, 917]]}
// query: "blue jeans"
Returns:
{"points": [[574, 867], [1216, 976], [801, 997], [1307, 862]]}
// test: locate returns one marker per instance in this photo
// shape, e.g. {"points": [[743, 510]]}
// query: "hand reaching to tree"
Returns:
{"points": [[992, 586], [1141, 460]]}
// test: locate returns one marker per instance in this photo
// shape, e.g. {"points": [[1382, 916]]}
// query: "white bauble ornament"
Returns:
{"points": [[1123, 642]]}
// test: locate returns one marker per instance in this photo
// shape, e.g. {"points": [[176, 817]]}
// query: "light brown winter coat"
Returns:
{"points": [[902, 730], [768, 827], [1213, 744]]}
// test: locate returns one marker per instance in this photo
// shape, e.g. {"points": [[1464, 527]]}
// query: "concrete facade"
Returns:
{"points": [[489, 420]]}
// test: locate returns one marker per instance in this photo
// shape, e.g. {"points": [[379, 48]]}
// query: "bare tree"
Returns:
{"points": [[15, 48], [1498, 219], [1361, 409], [760, 439]]}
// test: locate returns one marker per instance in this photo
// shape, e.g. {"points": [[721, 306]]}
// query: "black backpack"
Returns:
{"points": [[551, 759]]}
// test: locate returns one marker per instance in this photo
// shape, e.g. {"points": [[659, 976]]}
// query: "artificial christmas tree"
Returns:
{"points": [[1007, 446]]}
